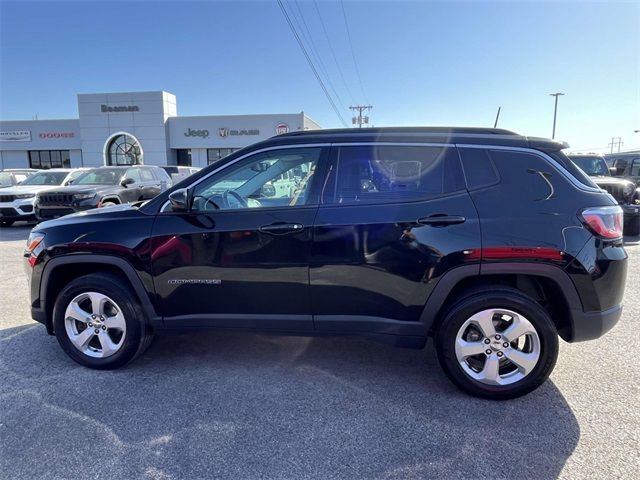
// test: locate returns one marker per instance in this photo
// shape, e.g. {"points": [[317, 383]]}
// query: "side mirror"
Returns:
{"points": [[127, 181], [179, 200], [613, 171]]}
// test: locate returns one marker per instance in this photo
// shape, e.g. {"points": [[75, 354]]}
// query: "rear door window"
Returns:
{"points": [[391, 174], [479, 170]]}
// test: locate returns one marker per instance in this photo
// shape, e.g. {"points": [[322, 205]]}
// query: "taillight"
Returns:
{"points": [[35, 239], [605, 222]]}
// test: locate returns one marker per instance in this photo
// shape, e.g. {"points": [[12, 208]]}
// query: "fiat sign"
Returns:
{"points": [[282, 128]]}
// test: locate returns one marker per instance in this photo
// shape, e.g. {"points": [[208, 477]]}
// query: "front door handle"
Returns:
{"points": [[281, 228], [442, 220]]}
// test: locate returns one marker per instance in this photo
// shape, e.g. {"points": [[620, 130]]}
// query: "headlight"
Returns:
{"points": [[628, 189], [26, 195], [83, 196]]}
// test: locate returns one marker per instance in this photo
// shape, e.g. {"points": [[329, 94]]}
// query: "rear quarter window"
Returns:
{"points": [[526, 176]]}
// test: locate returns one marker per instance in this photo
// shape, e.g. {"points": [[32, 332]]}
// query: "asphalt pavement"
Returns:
{"points": [[245, 406]]}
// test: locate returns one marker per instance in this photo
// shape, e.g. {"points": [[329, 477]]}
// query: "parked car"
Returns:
{"points": [[14, 176], [179, 172], [492, 243], [626, 165], [17, 203], [102, 187], [624, 191]]}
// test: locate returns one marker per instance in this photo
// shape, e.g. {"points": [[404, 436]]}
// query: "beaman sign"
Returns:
{"points": [[125, 108]]}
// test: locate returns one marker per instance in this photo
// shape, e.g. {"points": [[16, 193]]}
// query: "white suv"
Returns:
{"points": [[17, 202]]}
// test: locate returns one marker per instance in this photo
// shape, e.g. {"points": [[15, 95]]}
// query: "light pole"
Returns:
{"points": [[555, 112]]}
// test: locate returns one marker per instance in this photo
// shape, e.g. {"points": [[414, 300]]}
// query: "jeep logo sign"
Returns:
{"points": [[196, 133], [128, 108]]}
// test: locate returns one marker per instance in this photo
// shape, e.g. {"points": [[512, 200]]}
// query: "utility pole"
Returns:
{"points": [[360, 119], [495, 124], [555, 112], [616, 141]]}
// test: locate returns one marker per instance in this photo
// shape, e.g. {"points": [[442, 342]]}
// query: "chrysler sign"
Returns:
{"points": [[15, 136]]}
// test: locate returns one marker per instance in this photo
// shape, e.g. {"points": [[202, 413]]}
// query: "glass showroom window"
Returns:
{"points": [[124, 150], [49, 159], [215, 154]]}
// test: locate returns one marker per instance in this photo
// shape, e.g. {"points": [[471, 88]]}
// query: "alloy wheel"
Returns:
{"points": [[497, 347], [95, 324]]}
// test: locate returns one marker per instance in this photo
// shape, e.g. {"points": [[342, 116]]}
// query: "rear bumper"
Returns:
{"points": [[592, 325]]}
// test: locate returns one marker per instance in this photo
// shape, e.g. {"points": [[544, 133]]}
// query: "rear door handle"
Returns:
{"points": [[442, 220], [281, 228]]}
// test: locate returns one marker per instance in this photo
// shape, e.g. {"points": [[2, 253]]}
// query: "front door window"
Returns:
{"points": [[279, 178]]}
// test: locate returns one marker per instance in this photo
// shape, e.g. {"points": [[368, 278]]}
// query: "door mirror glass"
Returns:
{"points": [[127, 181], [179, 200]]}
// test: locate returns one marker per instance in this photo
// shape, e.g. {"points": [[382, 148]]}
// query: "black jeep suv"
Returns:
{"points": [[102, 187], [624, 191], [493, 243]]}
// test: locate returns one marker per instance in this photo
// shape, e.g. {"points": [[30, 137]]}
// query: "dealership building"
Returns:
{"points": [[136, 128]]}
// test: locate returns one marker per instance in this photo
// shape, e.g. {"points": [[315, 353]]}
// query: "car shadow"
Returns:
{"points": [[237, 405]]}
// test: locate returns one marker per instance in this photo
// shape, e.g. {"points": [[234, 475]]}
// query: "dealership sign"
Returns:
{"points": [[226, 132], [125, 108], [282, 128], [15, 136], [196, 133], [57, 135]]}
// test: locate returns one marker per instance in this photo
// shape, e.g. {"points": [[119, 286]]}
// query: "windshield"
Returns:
{"points": [[45, 178], [592, 165], [5, 179], [100, 176]]}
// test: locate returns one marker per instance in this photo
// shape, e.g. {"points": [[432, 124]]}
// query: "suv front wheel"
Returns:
{"points": [[98, 323], [497, 343]]}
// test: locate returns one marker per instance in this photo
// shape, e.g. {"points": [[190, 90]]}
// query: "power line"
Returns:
{"points": [[314, 50], [333, 53], [353, 55], [308, 58]]}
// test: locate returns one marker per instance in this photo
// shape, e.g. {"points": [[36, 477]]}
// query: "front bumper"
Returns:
{"points": [[48, 212], [20, 209], [592, 325]]}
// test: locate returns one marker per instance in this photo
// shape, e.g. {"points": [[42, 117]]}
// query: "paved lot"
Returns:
{"points": [[235, 406]]}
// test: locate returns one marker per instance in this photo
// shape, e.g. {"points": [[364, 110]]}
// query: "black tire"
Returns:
{"points": [[6, 223], [500, 298], [138, 333], [632, 225]]}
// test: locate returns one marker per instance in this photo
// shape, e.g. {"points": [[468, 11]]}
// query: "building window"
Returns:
{"points": [[184, 157], [124, 150], [215, 154], [43, 159]]}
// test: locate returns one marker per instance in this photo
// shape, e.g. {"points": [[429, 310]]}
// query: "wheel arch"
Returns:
{"points": [[549, 285], [111, 198], [59, 271]]}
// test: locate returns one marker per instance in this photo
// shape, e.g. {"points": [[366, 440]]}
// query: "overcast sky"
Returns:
{"points": [[420, 63]]}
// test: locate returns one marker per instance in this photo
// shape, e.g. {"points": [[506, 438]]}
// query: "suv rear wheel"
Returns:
{"points": [[98, 323], [497, 343]]}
